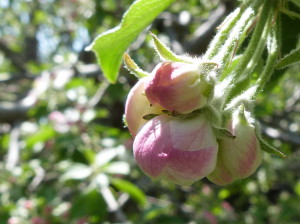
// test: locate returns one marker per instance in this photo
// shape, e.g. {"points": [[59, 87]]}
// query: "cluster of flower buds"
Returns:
{"points": [[180, 132], [172, 141]]}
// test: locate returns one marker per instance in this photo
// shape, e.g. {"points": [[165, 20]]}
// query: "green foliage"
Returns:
{"points": [[65, 166], [111, 45], [131, 189]]}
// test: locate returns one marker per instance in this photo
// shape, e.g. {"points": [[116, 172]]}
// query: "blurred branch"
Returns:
{"points": [[9, 112], [98, 95], [278, 133], [17, 111], [16, 77], [88, 70], [176, 27], [14, 57], [202, 36]]}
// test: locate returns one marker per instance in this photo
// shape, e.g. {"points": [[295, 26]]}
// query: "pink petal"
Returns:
{"points": [[137, 106], [179, 150]]}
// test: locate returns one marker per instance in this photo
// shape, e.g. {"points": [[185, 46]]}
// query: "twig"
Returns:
{"points": [[98, 95], [203, 34], [15, 58], [277, 133], [13, 149], [112, 203]]}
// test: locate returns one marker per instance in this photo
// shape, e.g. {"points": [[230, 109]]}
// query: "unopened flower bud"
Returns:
{"points": [[178, 87], [238, 158], [181, 151], [137, 106]]}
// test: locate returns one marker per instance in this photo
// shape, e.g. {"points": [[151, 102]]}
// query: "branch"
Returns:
{"points": [[277, 133], [205, 32], [15, 77], [10, 112], [15, 58], [17, 111]]}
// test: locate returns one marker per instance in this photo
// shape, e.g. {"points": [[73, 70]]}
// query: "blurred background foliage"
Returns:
{"points": [[66, 156]]}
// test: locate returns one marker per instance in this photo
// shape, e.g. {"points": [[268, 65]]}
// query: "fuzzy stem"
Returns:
{"points": [[225, 53], [254, 51], [257, 42], [225, 28], [273, 48]]}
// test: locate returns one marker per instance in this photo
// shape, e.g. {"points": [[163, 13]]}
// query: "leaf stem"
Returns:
{"points": [[228, 24], [225, 53], [273, 49], [242, 74]]}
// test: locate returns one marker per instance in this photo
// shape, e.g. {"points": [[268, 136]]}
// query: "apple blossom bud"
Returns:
{"points": [[137, 106], [238, 158], [181, 151], [178, 87]]}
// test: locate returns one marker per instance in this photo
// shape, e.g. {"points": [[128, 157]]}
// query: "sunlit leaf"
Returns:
{"points": [[44, 134], [106, 155], [110, 46], [126, 186], [77, 172], [118, 167], [89, 203]]}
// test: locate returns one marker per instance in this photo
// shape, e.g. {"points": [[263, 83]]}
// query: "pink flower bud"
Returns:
{"points": [[238, 158], [137, 106], [178, 87], [181, 151]]}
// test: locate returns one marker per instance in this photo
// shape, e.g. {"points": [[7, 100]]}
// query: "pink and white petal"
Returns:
{"points": [[152, 146], [187, 167], [137, 106]]}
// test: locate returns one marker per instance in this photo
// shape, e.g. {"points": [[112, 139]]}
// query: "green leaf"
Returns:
{"points": [[166, 54], [131, 189], [44, 134], [289, 59], [89, 203], [110, 46]]}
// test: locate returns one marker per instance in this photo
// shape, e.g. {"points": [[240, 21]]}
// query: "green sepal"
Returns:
{"points": [[222, 133], [133, 67], [270, 149], [296, 2], [291, 58], [213, 115], [242, 115], [291, 14], [166, 54], [149, 117]]}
